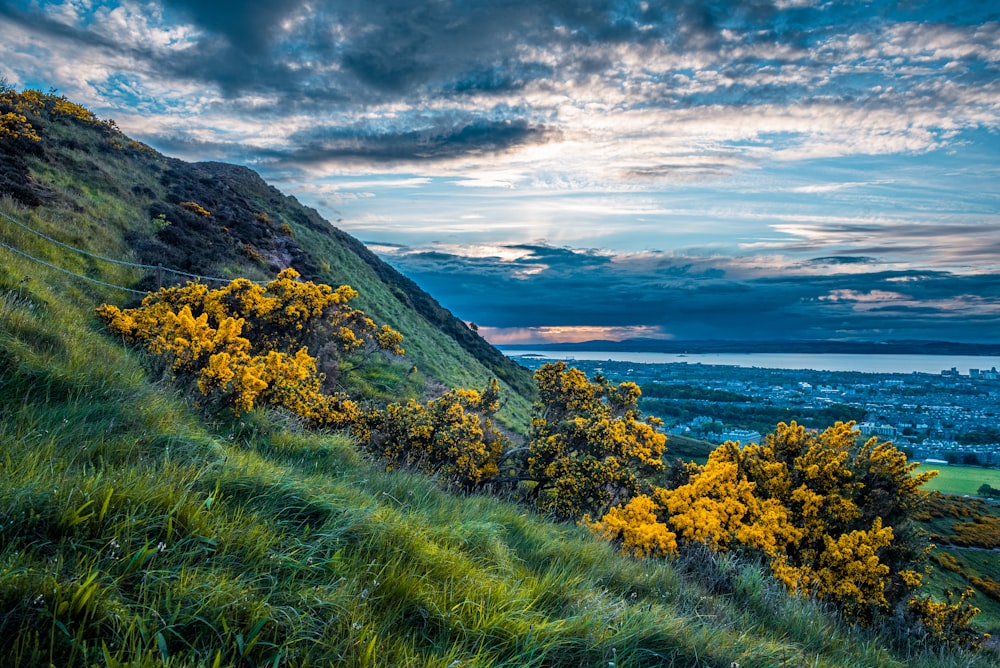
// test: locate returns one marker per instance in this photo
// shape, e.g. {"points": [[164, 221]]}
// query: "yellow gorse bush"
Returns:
{"points": [[948, 622], [244, 343], [14, 122], [16, 126], [588, 443], [816, 505], [196, 208], [61, 105], [635, 527], [720, 507], [847, 571], [452, 437]]}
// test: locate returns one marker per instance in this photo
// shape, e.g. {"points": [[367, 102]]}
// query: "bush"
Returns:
{"points": [[245, 344]]}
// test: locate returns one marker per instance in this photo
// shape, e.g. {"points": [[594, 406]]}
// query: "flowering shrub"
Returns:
{"points": [[588, 443], [453, 437], [16, 126], [847, 571], [983, 532], [249, 344], [244, 345], [64, 107], [720, 507], [196, 208], [635, 527], [34, 102], [948, 622], [817, 506]]}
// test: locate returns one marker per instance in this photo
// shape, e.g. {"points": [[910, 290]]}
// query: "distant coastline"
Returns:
{"points": [[751, 347], [980, 366]]}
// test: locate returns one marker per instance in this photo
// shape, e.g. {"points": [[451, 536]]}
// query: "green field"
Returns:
{"points": [[960, 480]]}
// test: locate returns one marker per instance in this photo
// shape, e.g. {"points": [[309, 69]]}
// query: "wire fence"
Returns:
{"points": [[67, 271], [159, 270]]}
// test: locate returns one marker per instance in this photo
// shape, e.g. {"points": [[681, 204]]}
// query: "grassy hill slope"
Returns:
{"points": [[90, 187], [134, 532]]}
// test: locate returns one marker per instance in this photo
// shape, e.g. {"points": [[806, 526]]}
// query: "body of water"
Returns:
{"points": [[876, 363]]}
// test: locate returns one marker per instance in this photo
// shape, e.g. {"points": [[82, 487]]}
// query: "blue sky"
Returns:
{"points": [[559, 170]]}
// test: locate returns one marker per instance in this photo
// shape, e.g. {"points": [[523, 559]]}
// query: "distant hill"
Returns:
{"points": [[796, 346]]}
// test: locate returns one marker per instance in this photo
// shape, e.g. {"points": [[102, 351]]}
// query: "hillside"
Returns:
{"points": [[90, 187], [137, 531]]}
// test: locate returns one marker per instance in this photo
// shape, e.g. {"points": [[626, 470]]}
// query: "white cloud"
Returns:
{"points": [[858, 296], [818, 188], [882, 301]]}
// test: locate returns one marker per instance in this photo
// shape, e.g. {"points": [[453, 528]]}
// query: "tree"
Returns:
{"points": [[989, 491]]}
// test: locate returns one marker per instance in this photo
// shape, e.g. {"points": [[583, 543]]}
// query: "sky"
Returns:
{"points": [[558, 170]]}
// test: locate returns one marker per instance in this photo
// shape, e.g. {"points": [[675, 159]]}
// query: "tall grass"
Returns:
{"points": [[166, 543]]}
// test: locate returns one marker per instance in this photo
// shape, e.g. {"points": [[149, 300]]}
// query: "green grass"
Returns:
{"points": [[687, 448], [960, 480]]}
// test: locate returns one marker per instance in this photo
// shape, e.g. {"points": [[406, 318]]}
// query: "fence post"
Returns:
{"points": [[159, 276]]}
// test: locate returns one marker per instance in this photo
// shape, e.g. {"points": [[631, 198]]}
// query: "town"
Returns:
{"points": [[951, 417]]}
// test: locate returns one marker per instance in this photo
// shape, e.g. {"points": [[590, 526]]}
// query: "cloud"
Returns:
{"points": [[833, 187], [330, 144], [569, 291], [251, 27], [956, 244], [673, 92], [877, 296]]}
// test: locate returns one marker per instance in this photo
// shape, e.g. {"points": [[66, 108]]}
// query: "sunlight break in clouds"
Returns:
{"points": [[499, 336]]}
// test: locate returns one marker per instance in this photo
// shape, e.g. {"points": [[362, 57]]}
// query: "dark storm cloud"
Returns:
{"points": [[386, 48], [399, 47], [249, 25], [695, 297], [473, 136]]}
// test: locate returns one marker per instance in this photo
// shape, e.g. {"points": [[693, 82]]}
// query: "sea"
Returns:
{"points": [[871, 363]]}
